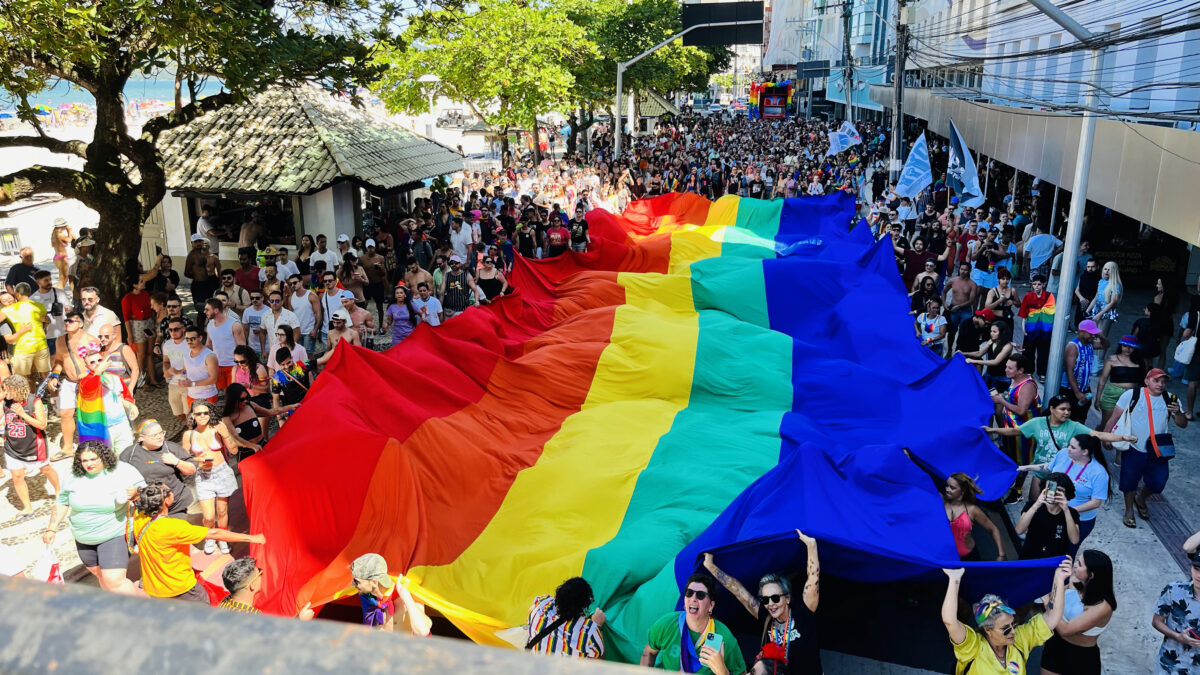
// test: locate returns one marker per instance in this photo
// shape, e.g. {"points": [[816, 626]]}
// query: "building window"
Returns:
{"points": [[1143, 71]]}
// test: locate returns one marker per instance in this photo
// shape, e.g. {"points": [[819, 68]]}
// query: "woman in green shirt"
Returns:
{"points": [[1051, 432], [95, 500]]}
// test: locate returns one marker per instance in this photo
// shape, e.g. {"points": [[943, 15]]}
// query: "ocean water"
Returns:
{"points": [[161, 88]]}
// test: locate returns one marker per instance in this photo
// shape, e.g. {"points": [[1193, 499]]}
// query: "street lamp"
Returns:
{"points": [[621, 67], [431, 80]]}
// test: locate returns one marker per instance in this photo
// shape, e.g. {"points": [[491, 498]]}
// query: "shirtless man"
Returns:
{"points": [[414, 275], [203, 268], [373, 264], [961, 293], [339, 329], [121, 358], [66, 370], [360, 319], [929, 272]]}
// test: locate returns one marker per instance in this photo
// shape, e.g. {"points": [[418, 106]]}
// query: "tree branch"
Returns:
{"points": [[76, 75], [189, 112], [43, 180], [76, 148]]}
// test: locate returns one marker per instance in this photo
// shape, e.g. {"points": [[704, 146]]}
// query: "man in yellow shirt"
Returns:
{"points": [[164, 546], [30, 354]]}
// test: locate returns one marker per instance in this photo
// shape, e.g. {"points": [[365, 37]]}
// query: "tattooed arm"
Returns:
{"points": [[812, 584], [733, 585]]}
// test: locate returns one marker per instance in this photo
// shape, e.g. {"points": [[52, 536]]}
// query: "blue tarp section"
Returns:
{"points": [[866, 395]]}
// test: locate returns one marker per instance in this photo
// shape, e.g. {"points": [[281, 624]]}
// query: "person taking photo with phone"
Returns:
{"points": [[1050, 526], [692, 641], [789, 635]]}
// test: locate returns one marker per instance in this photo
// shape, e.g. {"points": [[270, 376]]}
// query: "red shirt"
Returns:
{"points": [[136, 306], [247, 279]]}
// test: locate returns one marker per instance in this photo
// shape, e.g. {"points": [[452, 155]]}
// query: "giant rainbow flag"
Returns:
{"points": [[709, 377]]}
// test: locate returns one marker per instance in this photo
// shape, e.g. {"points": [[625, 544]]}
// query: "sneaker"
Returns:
{"points": [[210, 546], [223, 546]]}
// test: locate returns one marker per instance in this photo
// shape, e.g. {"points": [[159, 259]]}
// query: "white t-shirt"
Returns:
{"points": [[434, 306], [1040, 247], [57, 325], [330, 258], [269, 322], [102, 317], [175, 353], [1139, 421], [205, 229], [459, 241], [252, 318]]}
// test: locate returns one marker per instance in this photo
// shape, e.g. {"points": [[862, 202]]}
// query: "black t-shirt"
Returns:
{"points": [[526, 242], [152, 468], [1047, 535], [579, 230], [756, 188], [803, 651], [159, 282], [970, 336], [21, 272]]}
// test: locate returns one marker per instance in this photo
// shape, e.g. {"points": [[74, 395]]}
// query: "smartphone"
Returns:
{"points": [[1051, 488], [1191, 633], [713, 640]]}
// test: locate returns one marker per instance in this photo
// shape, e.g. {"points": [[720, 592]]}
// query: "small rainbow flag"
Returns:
{"points": [[89, 411]]}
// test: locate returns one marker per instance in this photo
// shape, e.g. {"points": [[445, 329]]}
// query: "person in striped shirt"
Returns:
{"points": [[561, 625]]}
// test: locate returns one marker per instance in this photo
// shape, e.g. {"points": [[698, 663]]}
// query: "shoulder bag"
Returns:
{"points": [[1161, 446]]}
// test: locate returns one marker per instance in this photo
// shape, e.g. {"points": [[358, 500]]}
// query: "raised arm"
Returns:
{"points": [[732, 585], [812, 583], [954, 627], [1054, 610]]}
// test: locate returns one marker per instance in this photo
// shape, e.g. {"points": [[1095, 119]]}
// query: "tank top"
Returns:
{"points": [[1035, 408], [302, 308], [960, 527], [1073, 607], [1083, 365], [20, 437], [222, 341], [196, 371], [994, 351], [248, 429], [458, 292], [490, 287], [1125, 375], [117, 365]]}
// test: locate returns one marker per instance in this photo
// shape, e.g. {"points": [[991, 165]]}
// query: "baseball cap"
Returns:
{"points": [[456, 258], [370, 243], [195, 237], [1156, 373], [343, 237], [986, 314], [342, 315], [1089, 326]]}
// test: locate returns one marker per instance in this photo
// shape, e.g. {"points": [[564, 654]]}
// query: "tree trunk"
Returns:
{"points": [[505, 157]]}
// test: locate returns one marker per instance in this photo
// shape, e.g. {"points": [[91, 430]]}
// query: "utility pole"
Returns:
{"points": [[1083, 166], [898, 92], [847, 62]]}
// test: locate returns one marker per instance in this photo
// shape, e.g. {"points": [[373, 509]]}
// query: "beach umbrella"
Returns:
{"points": [[7, 114], [43, 110]]}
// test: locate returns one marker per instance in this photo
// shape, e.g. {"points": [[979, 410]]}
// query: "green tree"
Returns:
{"points": [[507, 61], [621, 30], [247, 45]]}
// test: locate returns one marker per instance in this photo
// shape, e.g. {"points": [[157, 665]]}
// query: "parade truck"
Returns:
{"points": [[773, 100]]}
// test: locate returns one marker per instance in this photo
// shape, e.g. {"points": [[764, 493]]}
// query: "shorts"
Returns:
{"points": [[224, 376], [178, 398], [194, 594], [1064, 658], [190, 401], [68, 393], [375, 292], [1109, 396], [138, 330], [107, 555], [28, 466], [1139, 467], [218, 482], [28, 364], [579, 248]]}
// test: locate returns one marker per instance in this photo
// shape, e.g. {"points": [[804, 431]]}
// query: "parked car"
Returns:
{"points": [[715, 109]]}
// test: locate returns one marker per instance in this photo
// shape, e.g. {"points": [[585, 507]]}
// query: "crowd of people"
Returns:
{"points": [[239, 358]]}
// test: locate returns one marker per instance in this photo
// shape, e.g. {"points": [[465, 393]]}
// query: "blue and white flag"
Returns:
{"points": [[961, 174], [838, 142], [917, 173], [851, 132]]}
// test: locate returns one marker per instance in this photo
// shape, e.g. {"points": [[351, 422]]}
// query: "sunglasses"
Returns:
{"points": [[699, 595], [274, 301], [254, 298], [226, 278], [73, 321], [176, 329], [244, 399], [198, 413], [241, 362], [191, 339], [770, 599]]}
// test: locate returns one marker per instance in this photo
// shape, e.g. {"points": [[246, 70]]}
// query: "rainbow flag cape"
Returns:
{"points": [[90, 418], [709, 377], [1041, 320]]}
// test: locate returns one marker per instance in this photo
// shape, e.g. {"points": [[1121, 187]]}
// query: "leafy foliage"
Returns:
{"points": [[507, 61]]}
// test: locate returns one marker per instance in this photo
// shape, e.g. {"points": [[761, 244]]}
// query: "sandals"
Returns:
{"points": [[1143, 509], [1130, 522]]}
